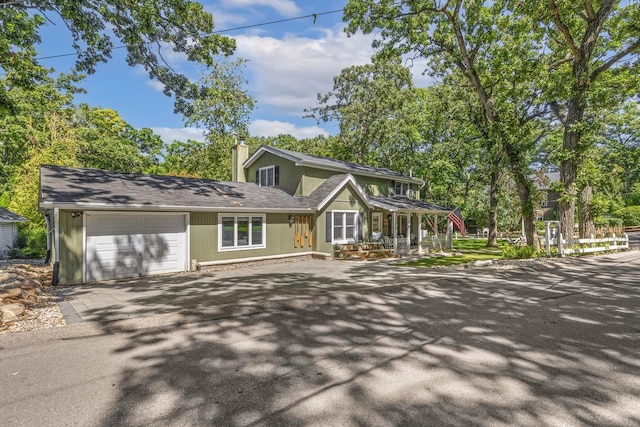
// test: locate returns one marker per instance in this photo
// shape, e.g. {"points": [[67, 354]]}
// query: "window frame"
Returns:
{"points": [[249, 246], [374, 216], [405, 187], [545, 201], [344, 240], [273, 175]]}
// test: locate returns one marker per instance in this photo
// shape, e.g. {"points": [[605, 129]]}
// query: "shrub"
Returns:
{"points": [[31, 243], [603, 221], [630, 215], [615, 222], [519, 252]]}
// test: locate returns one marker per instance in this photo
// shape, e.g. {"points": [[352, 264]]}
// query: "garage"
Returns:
{"points": [[123, 245]]}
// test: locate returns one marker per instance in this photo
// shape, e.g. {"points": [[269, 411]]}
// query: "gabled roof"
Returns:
{"points": [[8, 216], [331, 187], [326, 163], [405, 203], [75, 188]]}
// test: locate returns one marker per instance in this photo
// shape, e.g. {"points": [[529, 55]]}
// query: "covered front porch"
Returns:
{"points": [[404, 223]]}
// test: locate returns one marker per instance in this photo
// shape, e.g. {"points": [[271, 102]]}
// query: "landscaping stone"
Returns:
{"points": [[31, 305], [11, 293], [15, 308]]}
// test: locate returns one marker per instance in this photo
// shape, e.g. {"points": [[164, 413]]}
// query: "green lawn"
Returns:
{"points": [[470, 249]]}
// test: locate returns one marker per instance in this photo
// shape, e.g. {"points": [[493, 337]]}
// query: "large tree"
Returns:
{"points": [[143, 27], [489, 48], [592, 48], [376, 108]]}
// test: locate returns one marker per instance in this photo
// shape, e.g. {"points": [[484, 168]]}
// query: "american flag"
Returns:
{"points": [[456, 218]]}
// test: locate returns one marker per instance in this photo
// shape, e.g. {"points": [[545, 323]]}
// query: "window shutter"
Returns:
{"points": [[359, 226], [393, 188], [258, 176], [329, 226], [276, 176]]}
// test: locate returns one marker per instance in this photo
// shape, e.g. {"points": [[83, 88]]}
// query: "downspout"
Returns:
{"points": [[47, 219], [56, 243]]}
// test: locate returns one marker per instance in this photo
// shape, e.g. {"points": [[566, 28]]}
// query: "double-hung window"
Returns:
{"points": [[344, 226], [236, 232], [402, 189], [267, 176]]}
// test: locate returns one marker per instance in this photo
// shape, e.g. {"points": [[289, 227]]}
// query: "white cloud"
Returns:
{"points": [[283, 7], [275, 127], [288, 73], [169, 135], [159, 86]]}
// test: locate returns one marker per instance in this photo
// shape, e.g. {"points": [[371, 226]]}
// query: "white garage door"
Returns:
{"points": [[123, 245]]}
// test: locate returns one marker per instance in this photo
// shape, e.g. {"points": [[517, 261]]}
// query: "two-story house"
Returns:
{"points": [[280, 204], [547, 209]]}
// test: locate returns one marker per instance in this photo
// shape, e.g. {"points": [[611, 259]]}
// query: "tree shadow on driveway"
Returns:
{"points": [[542, 344]]}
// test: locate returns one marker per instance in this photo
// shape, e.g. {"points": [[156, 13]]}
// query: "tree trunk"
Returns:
{"points": [[494, 192], [569, 169], [525, 193], [585, 212]]}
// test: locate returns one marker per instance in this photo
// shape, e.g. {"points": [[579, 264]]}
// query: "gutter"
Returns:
{"points": [[170, 208]]}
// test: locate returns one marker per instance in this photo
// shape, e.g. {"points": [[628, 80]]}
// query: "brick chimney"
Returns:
{"points": [[239, 154]]}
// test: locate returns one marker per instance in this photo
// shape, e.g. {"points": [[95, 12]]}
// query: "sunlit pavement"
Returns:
{"points": [[552, 343]]}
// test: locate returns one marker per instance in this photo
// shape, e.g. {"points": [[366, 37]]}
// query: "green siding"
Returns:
{"points": [[313, 178], [204, 238], [71, 245], [290, 175], [348, 200], [374, 186], [203, 235]]}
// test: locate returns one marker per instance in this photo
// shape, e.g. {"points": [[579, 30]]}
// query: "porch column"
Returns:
{"points": [[419, 215], [435, 225], [408, 235], [395, 232]]}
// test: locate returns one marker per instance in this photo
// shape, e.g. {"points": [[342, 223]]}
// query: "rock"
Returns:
{"points": [[11, 293], [15, 308], [28, 291], [8, 282], [8, 317], [26, 302]]}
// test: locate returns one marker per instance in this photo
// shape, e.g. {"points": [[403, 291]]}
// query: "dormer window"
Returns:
{"points": [[268, 176], [402, 189]]}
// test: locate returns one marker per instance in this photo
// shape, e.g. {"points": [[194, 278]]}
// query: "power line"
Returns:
{"points": [[244, 27]]}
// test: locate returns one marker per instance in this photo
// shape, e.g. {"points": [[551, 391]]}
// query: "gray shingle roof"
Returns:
{"points": [[405, 203], [323, 191], [8, 216], [335, 164], [88, 188]]}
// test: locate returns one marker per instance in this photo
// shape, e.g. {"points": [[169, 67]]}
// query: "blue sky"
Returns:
{"points": [[289, 64]]}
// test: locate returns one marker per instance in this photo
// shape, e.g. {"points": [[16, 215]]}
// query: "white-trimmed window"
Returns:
{"points": [[402, 189], [237, 232], [545, 200], [344, 226], [268, 176]]}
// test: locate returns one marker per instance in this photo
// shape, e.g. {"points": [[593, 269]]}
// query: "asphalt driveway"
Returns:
{"points": [[535, 344], [299, 284]]}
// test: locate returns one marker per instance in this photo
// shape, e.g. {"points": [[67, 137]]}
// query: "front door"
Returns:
{"points": [[402, 225]]}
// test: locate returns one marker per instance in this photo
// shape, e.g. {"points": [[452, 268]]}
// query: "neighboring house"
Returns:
{"points": [[547, 210], [8, 230], [109, 225]]}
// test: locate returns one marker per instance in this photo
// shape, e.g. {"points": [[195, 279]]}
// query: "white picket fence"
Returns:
{"points": [[606, 244]]}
